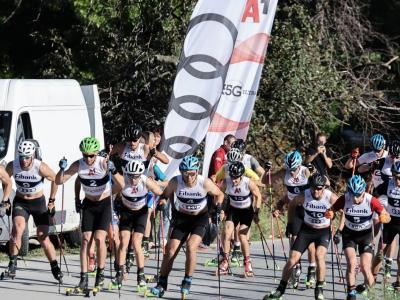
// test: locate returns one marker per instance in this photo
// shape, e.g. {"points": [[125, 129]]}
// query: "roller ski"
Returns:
{"points": [[116, 282], [99, 283], [185, 287], [319, 293], [81, 288], [141, 284], [157, 291], [248, 269], [56, 271], [213, 262], [223, 268], [310, 279], [11, 271], [295, 277], [351, 295]]}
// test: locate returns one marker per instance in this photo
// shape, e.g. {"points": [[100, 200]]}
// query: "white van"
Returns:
{"points": [[58, 114]]}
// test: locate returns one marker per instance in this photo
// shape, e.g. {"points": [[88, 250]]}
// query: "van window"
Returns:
{"points": [[5, 125], [24, 129]]}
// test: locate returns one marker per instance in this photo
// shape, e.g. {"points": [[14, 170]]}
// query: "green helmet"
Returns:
{"points": [[89, 145]]}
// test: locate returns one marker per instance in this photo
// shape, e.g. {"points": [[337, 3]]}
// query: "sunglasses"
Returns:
{"points": [[25, 157], [191, 174], [133, 176], [356, 195], [134, 139], [293, 169], [318, 188], [88, 155]]}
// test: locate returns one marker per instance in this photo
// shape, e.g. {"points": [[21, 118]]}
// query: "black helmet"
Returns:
{"points": [[133, 132], [394, 148], [317, 181], [239, 144], [236, 169]]}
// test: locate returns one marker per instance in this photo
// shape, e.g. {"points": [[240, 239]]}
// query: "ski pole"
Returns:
{"points": [[266, 243], [112, 240], [338, 258], [265, 255], [333, 271], [218, 247], [272, 221], [281, 237]]}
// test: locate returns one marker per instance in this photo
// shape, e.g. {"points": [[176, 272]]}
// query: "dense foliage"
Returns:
{"points": [[330, 64]]}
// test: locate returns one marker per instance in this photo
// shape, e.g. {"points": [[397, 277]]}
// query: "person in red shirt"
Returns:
{"points": [[219, 156], [358, 207]]}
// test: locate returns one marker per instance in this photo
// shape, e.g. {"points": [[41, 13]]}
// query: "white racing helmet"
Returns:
{"points": [[26, 148]]}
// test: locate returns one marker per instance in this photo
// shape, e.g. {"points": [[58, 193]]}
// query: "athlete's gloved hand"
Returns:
{"points": [[310, 167], [329, 214], [78, 205], [111, 167], [63, 163], [256, 217], [374, 165], [289, 229], [267, 166], [337, 237], [384, 218], [6, 204], [153, 151], [51, 208], [103, 153], [3, 209], [162, 207], [355, 153]]}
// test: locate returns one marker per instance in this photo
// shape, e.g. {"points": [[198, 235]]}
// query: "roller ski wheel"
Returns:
{"points": [[77, 291], [141, 289], [6, 274], [212, 262], [114, 285], [151, 278], [154, 292], [96, 290]]}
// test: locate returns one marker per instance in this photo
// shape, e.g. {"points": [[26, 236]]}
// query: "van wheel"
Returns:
{"points": [[75, 238], [24, 243]]}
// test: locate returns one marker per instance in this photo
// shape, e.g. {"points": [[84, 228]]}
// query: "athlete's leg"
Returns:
{"points": [[244, 229], [351, 258], [365, 264], [171, 251], [294, 257], [229, 229], [100, 240], [86, 237], [123, 245], [16, 234], [43, 237], [321, 267], [191, 253], [137, 246]]}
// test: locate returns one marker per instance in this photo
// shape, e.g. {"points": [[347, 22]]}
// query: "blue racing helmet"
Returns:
{"points": [[293, 160], [377, 142], [356, 185], [189, 163], [396, 167]]}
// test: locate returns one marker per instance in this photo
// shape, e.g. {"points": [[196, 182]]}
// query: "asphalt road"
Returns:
{"points": [[34, 281]]}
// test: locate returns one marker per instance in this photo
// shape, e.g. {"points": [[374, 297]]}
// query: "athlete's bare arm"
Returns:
{"points": [[46, 172], [255, 191], [212, 189], [153, 187], [71, 171], [6, 183]]}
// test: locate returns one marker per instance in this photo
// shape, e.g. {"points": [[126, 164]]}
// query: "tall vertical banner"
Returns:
{"points": [[217, 76]]}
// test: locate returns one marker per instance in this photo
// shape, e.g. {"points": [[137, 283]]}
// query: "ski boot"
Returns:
{"points": [[236, 255], [185, 286], [351, 295], [130, 259], [277, 295], [99, 282], [223, 267], [11, 270], [92, 265], [141, 283], [310, 279], [319, 292], [361, 288], [295, 277], [81, 288], [56, 271], [116, 283], [388, 268], [145, 249], [213, 262], [396, 286], [158, 290], [248, 269]]}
